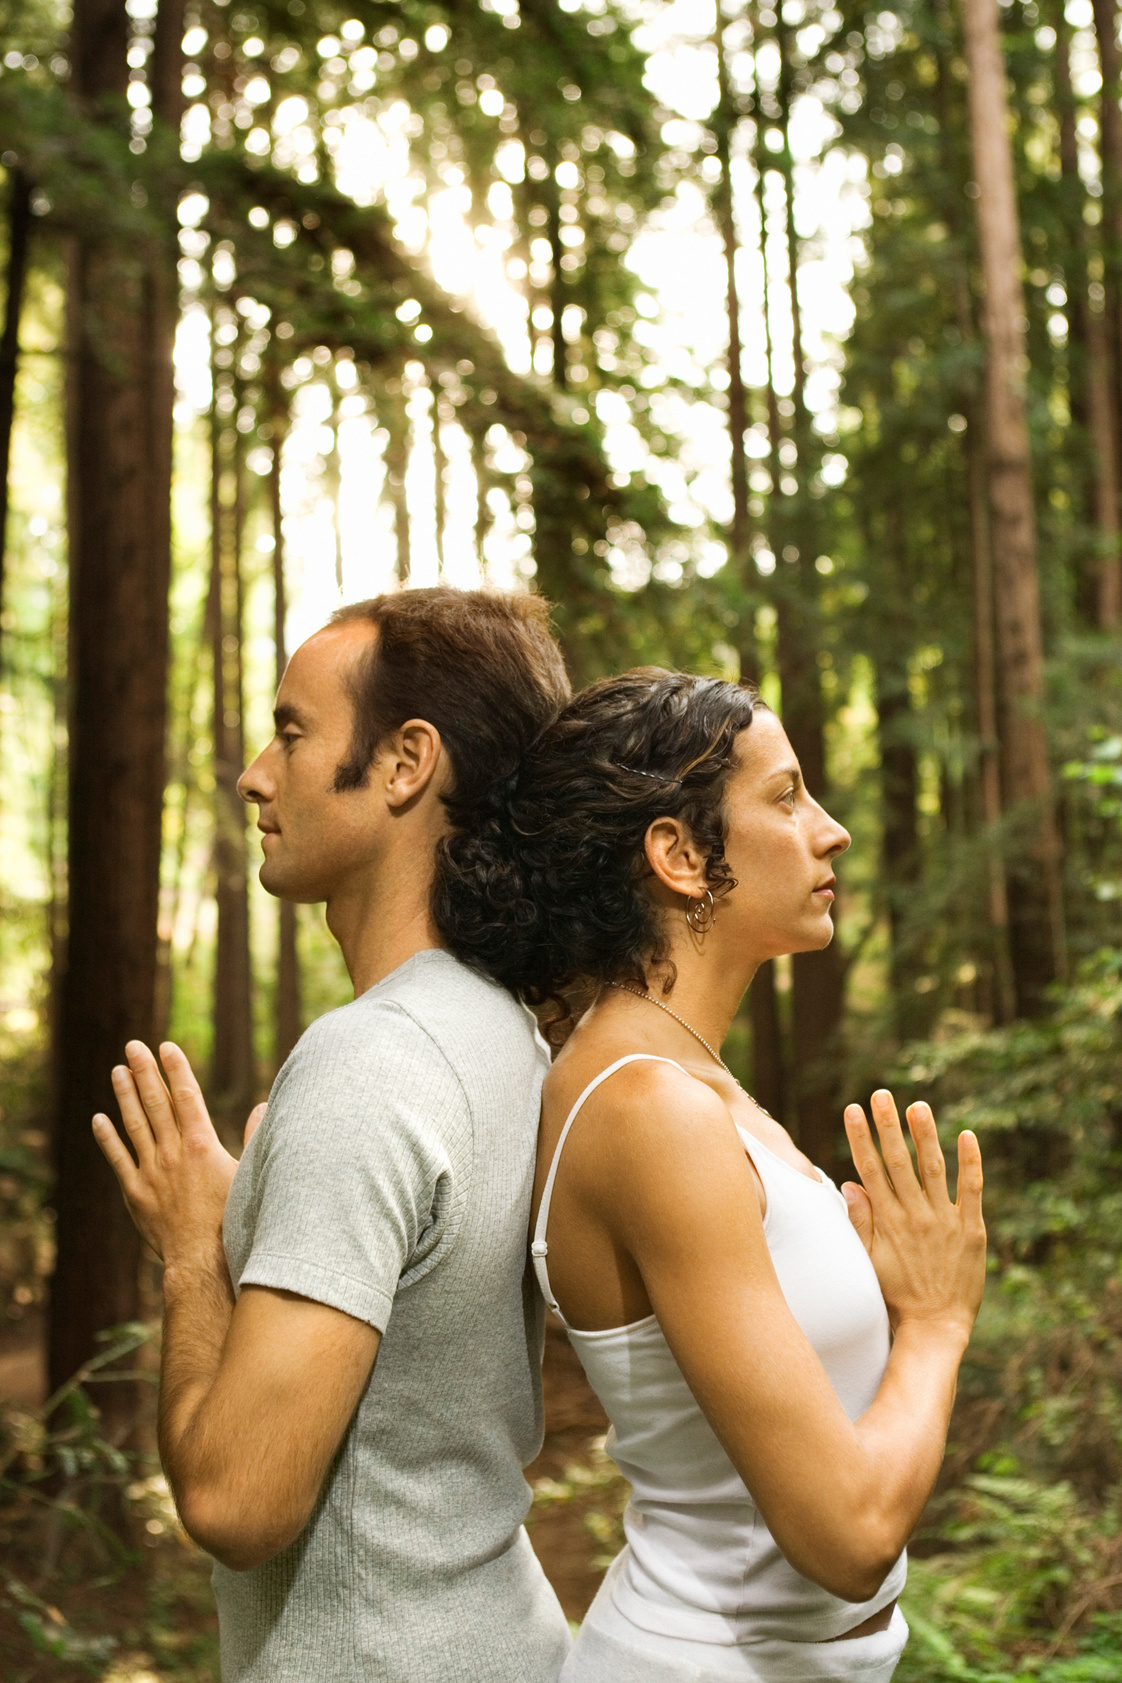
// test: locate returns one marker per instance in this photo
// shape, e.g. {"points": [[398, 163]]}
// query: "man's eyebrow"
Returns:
{"points": [[286, 714]]}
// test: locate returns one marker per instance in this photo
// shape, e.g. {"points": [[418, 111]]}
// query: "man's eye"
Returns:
{"points": [[289, 737]]}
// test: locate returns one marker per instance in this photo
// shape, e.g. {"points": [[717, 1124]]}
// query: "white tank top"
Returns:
{"points": [[701, 1563]]}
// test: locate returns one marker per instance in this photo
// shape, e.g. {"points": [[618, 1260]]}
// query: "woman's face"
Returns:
{"points": [[780, 847]]}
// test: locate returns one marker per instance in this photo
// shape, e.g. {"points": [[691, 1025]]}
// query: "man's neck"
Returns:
{"points": [[380, 923]]}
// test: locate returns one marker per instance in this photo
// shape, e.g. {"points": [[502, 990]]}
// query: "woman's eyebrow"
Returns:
{"points": [[789, 774]]}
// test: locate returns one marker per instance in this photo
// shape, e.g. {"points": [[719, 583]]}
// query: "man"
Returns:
{"points": [[367, 1519]]}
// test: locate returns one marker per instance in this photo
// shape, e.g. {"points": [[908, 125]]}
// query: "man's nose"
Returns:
{"points": [[254, 785]]}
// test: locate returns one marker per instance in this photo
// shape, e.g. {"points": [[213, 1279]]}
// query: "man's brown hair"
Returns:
{"points": [[481, 666]]}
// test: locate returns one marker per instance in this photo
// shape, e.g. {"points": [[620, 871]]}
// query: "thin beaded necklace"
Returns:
{"points": [[650, 999]]}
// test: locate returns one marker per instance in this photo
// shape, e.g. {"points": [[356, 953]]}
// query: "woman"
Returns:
{"points": [[730, 1312]]}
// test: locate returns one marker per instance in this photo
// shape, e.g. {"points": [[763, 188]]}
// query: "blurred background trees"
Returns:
{"points": [[777, 343]]}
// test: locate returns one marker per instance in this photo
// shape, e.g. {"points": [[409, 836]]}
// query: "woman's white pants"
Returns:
{"points": [[610, 1649]]}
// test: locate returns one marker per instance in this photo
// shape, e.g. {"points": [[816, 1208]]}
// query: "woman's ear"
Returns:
{"points": [[674, 857]]}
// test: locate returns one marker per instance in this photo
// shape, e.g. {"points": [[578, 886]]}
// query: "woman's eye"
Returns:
{"points": [[788, 797]]}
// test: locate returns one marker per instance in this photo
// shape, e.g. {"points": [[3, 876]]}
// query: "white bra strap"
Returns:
{"points": [[539, 1249]]}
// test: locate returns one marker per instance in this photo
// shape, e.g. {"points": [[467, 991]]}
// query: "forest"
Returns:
{"points": [[781, 343]]}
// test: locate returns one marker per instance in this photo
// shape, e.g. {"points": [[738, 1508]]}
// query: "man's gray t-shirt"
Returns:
{"points": [[391, 1179]]}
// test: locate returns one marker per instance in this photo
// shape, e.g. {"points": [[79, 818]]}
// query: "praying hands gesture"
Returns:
{"points": [[929, 1253], [176, 1187]]}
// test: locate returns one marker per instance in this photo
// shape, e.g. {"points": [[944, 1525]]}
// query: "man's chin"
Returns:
{"points": [[279, 883]]}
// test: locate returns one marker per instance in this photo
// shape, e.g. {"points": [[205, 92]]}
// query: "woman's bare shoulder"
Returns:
{"points": [[647, 1100]]}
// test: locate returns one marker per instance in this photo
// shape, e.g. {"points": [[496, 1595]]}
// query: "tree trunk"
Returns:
{"points": [[723, 125], [232, 1073], [1003, 991], [1036, 903], [769, 1085], [1105, 360], [121, 322], [900, 850], [19, 232], [440, 480], [818, 978], [287, 1018], [397, 464]]}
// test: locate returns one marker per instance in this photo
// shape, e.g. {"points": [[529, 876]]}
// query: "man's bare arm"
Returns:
{"points": [[253, 1407], [255, 1399]]}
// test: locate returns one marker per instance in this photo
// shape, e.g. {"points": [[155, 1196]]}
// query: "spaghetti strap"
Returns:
{"points": [[539, 1249]]}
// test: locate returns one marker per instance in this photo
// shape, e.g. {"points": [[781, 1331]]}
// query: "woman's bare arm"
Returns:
{"points": [[672, 1184]]}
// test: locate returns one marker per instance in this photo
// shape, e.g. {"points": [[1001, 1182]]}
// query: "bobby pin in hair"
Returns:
{"points": [[636, 772]]}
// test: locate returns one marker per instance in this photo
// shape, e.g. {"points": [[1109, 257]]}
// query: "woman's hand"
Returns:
{"points": [[929, 1254]]}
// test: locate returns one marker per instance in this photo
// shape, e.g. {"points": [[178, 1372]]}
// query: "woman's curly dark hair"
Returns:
{"points": [[546, 893]]}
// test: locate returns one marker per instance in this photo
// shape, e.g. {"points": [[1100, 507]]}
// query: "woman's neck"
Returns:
{"points": [[707, 991]]}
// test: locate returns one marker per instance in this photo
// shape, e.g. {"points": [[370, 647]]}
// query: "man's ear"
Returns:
{"points": [[674, 857], [414, 757]]}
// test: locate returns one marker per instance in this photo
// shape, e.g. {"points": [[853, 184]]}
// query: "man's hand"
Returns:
{"points": [[176, 1188]]}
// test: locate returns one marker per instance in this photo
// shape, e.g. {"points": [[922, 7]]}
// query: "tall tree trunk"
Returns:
{"points": [[997, 961], [288, 1014], [440, 480], [232, 1073], [1105, 369], [121, 321], [1093, 390], [551, 195], [1036, 902], [723, 125], [482, 507], [1003, 991], [19, 233], [397, 465], [769, 1074], [818, 978]]}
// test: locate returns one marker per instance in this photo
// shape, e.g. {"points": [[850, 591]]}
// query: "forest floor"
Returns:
{"points": [[153, 1621]]}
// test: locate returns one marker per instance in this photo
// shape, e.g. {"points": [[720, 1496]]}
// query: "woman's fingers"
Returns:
{"points": [[894, 1147], [116, 1154], [860, 1212], [929, 1153], [969, 1199], [866, 1157]]}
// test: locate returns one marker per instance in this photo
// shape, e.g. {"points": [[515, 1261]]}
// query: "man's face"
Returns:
{"points": [[314, 838]]}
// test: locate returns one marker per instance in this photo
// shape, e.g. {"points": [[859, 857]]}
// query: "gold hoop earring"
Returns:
{"points": [[701, 913]]}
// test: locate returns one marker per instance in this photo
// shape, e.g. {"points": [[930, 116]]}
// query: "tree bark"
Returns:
{"points": [[288, 1014], [818, 978], [19, 235], [232, 1073], [1036, 903], [769, 1084], [1105, 357], [723, 125], [900, 851], [397, 464], [1004, 995], [121, 322]]}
